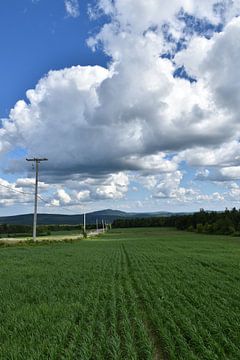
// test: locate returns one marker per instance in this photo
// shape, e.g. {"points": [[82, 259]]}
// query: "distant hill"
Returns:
{"points": [[107, 215]]}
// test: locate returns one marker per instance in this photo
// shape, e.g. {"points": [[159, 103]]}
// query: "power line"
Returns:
{"points": [[39, 197], [55, 206], [18, 191]]}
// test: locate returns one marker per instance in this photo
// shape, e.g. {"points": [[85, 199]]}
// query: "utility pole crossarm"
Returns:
{"points": [[37, 159]]}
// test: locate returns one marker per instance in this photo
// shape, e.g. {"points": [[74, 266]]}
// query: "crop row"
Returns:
{"points": [[128, 295]]}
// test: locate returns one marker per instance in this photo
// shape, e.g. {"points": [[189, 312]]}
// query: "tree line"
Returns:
{"points": [[208, 222], [26, 230], [21, 230]]}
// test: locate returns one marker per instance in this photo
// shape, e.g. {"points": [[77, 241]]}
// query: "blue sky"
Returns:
{"points": [[38, 36], [134, 104]]}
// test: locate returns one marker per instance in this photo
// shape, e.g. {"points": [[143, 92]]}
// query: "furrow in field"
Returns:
{"points": [[124, 320], [158, 351], [113, 350], [164, 317], [138, 296], [143, 342]]}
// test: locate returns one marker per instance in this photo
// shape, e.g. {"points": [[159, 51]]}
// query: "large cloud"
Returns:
{"points": [[226, 154], [215, 62], [101, 119], [139, 15], [95, 123]]}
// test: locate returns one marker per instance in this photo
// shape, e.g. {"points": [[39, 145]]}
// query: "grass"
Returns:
{"points": [[52, 233], [67, 232], [130, 294], [57, 236], [9, 240]]}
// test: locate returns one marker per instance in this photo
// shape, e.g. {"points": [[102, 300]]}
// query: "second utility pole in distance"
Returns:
{"points": [[37, 162], [84, 222]]}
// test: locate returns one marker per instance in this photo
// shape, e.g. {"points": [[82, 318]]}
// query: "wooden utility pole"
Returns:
{"points": [[84, 222], [37, 162]]}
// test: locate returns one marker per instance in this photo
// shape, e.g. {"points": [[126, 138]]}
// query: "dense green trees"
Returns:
{"points": [[26, 230], [209, 222]]}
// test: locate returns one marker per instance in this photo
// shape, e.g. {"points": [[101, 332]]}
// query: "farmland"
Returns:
{"points": [[146, 293]]}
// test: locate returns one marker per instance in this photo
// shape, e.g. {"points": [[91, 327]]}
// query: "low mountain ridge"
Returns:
{"points": [[107, 215]]}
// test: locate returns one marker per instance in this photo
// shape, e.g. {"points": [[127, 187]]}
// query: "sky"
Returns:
{"points": [[135, 104]]}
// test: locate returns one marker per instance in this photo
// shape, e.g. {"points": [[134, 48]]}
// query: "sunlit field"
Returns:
{"points": [[145, 293]]}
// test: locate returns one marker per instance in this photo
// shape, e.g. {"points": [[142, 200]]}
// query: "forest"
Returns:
{"points": [[21, 230], [209, 222]]}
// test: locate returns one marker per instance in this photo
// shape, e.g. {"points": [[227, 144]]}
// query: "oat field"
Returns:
{"points": [[146, 293]]}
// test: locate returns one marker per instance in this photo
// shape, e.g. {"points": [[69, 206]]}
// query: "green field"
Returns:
{"points": [[130, 294]]}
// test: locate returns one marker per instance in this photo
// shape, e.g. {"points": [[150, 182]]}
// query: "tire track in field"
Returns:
{"points": [[144, 348], [148, 293], [114, 344], [108, 341], [128, 349], [159, 352]]}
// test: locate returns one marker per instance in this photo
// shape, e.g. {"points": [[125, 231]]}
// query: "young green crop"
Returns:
{"points": [[145, 294]]}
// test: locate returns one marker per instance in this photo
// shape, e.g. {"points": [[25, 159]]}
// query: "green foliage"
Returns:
{"points": [[84, 234], [199, 228], [208, 222], [11, 230], [146, 293], [15, 229], [190, 228]]}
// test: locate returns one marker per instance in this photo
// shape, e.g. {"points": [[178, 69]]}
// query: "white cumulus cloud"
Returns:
{"points": [[97, 125], [72, 8]]}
